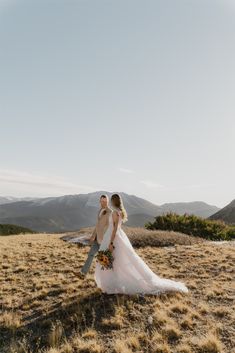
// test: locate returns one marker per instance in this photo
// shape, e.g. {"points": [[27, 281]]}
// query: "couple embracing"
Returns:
{"points": [[129, 273]]}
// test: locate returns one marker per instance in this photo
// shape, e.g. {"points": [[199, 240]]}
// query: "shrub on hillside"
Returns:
{"points": [[193, 225], [10, 229]]}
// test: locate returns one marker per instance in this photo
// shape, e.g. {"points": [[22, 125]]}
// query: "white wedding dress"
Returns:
{"points": [[130, 274]]}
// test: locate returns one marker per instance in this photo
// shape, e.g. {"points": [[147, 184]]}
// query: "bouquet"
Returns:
{"points": [[105, 258]]}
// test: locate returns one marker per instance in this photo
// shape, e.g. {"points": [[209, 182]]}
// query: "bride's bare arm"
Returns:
{"points": [[115, 216]]}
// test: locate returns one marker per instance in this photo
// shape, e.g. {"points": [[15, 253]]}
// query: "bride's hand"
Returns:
{"points": [[111, 247]]}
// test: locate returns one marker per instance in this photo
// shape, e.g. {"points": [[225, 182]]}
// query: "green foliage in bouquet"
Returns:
{"points": [[105, 258]]}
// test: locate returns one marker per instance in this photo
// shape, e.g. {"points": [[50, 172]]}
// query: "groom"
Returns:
{"points": [[97, 235]]}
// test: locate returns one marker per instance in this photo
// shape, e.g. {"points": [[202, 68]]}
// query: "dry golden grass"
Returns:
{"points": [[46, 308]]}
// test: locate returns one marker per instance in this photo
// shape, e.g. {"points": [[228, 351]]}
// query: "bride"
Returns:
{"points": [[130, 274]]}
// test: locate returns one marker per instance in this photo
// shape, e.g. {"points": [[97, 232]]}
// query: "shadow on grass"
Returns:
{"points": [[74, 315]]}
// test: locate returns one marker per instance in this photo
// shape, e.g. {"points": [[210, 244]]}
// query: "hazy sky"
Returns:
{"points": [[125, 95]]}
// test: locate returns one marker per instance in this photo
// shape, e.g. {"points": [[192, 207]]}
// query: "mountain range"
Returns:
{"points": [[72, 212]]}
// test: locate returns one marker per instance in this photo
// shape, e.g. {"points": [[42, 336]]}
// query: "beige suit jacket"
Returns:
{"points": [[101, 225]]}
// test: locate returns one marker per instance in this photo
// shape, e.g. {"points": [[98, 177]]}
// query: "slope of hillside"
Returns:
{"points": [[138, 220], [9, 229], [226, 214]]}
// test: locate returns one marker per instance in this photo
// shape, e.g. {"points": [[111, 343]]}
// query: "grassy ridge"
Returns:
{"points": [[9, 229], [141, 237], [193, 225]]}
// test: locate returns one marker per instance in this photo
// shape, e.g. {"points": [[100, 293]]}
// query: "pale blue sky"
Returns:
{"points": [[125, 95]]}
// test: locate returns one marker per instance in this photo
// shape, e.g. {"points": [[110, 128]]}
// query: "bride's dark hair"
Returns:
{"points": [[118, 203]]}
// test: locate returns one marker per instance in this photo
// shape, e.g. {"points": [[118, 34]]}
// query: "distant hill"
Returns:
{"points": [[198, 208], [9, 229], [73, 212], [226, 214]]}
